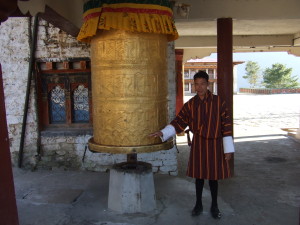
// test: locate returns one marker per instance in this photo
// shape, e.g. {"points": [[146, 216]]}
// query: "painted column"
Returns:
{"points": [[179, 80], [8, 206], [225, 66]]}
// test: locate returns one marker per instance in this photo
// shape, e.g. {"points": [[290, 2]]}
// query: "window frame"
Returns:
{"points": [[63, 70], [188, 87], [186, 74]]}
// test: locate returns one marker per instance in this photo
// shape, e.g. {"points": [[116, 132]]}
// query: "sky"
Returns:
{"points": [[264, 60]]}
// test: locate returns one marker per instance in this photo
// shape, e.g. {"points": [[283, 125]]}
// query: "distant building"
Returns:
{"points": [[208, 65]]}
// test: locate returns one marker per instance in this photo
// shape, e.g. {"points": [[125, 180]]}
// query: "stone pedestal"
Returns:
{"points": [[131, 188]]}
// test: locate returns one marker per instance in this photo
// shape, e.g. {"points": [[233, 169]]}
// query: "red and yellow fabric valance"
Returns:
{"points": [[132, 17]]}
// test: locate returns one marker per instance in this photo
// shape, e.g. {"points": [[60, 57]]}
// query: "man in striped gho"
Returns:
{"points": [[212, 145]]}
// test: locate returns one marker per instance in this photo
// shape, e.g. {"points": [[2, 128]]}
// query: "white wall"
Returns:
{"points": [[14, 58]]}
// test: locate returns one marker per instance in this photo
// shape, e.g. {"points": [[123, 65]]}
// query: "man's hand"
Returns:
{"points": [[156, 134], [228, 156]]}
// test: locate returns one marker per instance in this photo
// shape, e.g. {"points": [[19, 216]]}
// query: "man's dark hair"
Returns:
{"points": [[201, 74]]}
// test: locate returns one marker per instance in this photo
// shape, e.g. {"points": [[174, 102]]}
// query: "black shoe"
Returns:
{"points": [[215, 213], [197, 210]]}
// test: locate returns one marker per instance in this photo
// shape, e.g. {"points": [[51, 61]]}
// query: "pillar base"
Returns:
{"points": [[131, 188]]}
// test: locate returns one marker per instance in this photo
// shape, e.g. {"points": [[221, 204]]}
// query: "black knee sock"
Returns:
{"points": [[199, 189], [213, 184]]}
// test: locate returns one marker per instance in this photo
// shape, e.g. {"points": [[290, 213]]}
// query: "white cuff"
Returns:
{"points": [[228, 144], [168, 131]]}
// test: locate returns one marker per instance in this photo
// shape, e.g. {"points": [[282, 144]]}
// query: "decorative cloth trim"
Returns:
{"points": [[130, 17], [98, 3]]}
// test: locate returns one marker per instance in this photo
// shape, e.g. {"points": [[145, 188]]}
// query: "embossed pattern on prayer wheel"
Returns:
{"points": [[129, 89]]}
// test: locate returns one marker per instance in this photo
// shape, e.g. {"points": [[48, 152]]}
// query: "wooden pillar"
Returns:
{"points": [[8, 206], [179, 80], [225, 65]]}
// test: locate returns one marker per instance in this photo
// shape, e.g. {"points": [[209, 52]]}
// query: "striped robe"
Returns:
{"points": [[209, 121]]}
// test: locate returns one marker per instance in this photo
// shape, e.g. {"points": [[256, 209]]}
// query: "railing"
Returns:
{"points": [[269, 91]]}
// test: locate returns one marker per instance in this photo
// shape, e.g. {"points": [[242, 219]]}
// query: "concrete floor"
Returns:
{"points": [[264, 191]]}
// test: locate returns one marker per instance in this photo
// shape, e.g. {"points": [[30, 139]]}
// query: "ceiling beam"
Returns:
{"points": [[59, 21], [242, 9], [190, 53], [66, 10], [238, 40]]}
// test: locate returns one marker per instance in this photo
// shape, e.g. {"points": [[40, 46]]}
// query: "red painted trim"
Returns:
{"points": [[68, 110], [92, 15], [8, 206]]}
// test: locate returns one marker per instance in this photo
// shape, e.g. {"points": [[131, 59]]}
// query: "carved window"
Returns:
{"points": [[57, 105], [64, 94], [80, 104]]}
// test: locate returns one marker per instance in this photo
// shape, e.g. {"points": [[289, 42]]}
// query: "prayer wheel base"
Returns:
{"points": [[131, 188], [94, 147]]}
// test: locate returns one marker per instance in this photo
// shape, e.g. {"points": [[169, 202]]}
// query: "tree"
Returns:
{"points": [[279, 77], [252, 73]]}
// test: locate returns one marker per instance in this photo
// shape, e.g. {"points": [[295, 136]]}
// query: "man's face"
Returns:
{"points": [[201, 86]]}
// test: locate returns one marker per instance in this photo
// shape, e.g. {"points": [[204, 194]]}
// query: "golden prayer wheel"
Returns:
{"points": [[129, 81]]}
